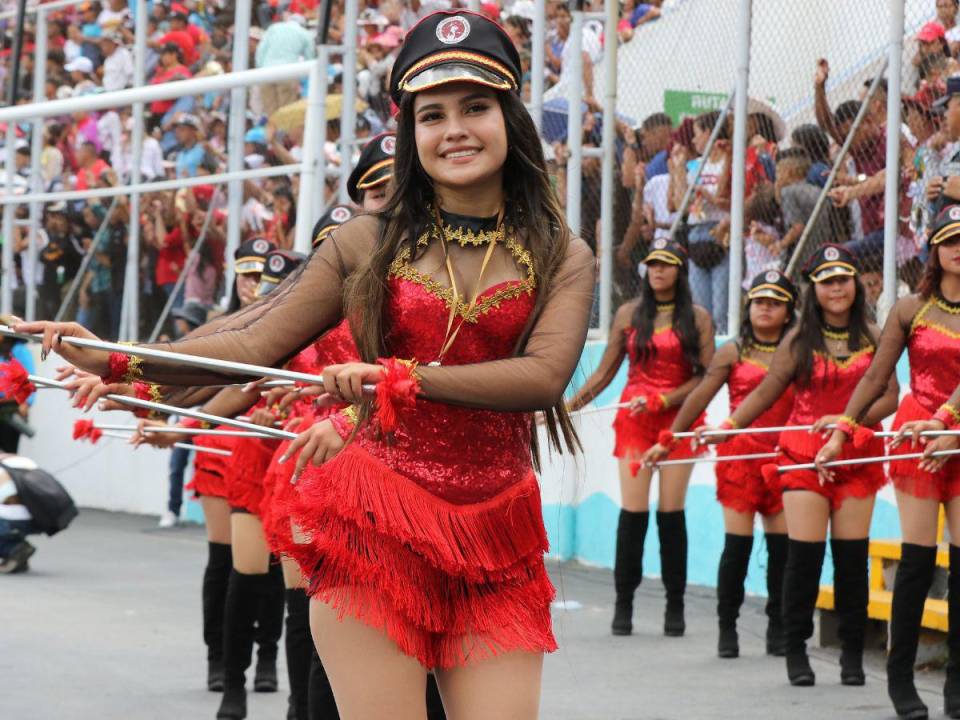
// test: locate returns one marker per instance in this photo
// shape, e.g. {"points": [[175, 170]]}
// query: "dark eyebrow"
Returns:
{"points": [[469, 98]]}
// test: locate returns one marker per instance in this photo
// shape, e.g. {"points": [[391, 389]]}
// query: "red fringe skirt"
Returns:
{"points": [[856, 481], [740, 484], [635, 434], [449, 584], [245, 472], [209, 469], [907, 476], [279, 495]]}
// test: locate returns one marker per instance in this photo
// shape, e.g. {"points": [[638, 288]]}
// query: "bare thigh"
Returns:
{"points": [[292, 577], [918, 519], [674, 481], [506, 687], [807, 515], [251, 556], [634, 491], [775, 524], [369, 675], [216, 517], [851, 521], [737, 523]]}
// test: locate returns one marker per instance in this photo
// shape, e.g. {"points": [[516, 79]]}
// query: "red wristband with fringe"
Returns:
{"points": [[344, 422], [396, 391], [122, 368]]}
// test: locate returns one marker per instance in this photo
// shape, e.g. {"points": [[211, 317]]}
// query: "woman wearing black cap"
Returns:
{"points": [[823, 358], [427, 527], [928, 326], [741, 490], [669, 341], [370, 180]]}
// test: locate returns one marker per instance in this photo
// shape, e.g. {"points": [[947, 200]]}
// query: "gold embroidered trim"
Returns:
{"points": [[155, 394], [954, 413], [452, 56], [351, 414], [946, 306], [831, 335], [918, 318], [666, 307], [401, 268], [844, 364], [937, 327], [755, 363], [466, 236]]}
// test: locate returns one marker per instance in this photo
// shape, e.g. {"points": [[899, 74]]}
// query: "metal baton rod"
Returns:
{"points": [[184, 446], [867, 460], [177, 430], [718, 458]]}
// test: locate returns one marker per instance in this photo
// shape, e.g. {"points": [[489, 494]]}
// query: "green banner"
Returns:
{"points": [[679, 104]]}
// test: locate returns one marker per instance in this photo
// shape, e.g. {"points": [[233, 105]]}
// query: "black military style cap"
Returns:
{"points": [[375, 165]]}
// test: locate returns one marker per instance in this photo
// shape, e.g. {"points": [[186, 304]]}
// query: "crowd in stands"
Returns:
{"points": [[90, 51]]}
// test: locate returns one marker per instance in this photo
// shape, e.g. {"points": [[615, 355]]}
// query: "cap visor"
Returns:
{"points": [[945, 233], [322, 235], [940, 104], [769, 293], [376, 176], [248, 265], [267, 285], [833, 271], [662, 256], [452, 72]]}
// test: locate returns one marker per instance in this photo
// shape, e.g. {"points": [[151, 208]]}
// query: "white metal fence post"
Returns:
{"points": [[313, 142], [348, 114], [575, 121], [891, 197], [538, 61], [9, 273], [36, 150], [739, 168], [607, 175]]}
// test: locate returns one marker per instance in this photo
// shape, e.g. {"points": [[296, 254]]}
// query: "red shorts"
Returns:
{"points": [[856, 481], [209, 468], [906, 476], [246, 470], [740, 484]]}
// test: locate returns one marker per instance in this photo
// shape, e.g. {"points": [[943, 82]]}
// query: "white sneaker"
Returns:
{"points": [[168, 519]]}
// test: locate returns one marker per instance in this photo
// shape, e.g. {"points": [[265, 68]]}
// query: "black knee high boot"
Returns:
{"points": [[776, 561], [269, 630], [215, 578], [851, 595], [730, 593], [628, 567], [951, 690], [910, 588], [299, 648], [244, 598], [672, 528], [322, 704], [801, 583], [435, 709]]}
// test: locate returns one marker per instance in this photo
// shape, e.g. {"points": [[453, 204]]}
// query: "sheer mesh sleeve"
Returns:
{"points": [[187, 397], [611, 361], [537, 378], [783, 366], [699, 398], [276, 328], [894, 338]]}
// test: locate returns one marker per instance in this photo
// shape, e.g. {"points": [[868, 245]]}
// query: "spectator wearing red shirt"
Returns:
{"points": [[170, 69], [90, 168], [180, 36]]}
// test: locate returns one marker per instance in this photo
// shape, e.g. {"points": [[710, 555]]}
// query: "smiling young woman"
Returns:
{"points": [[426, 536], [823, 358], [928, 326]]}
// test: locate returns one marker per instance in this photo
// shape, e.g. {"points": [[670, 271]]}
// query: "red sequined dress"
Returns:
{"points": [[209, 468], [279, 493], [665, 371], [831, 385], [934, 353], [740, 484], [435, 535]]}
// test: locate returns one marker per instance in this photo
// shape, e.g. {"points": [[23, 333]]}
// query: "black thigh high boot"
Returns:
{"points": [[910, 588], [322, 704], [215, 579], [851, 595], [269, 630], [776, 561], [299, 648], [672, 528], [628, 567], [730, 593], [435, 709], [244, 597], [801, 583], [951, 690]]}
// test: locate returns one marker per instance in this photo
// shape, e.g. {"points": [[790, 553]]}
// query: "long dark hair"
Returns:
{"points": [[684, 321], [530, 203], [932, 275], [746, 339], [809, 337]]}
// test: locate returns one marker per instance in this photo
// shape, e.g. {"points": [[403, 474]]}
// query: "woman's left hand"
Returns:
{"points": [[638, 405], [932, 464], [344, 383], [828, 453]]}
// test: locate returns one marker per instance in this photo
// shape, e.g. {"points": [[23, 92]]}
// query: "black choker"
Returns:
{"points": [[761, 346], [467, 230], [946, 305], [665, 307], [834, 333]]}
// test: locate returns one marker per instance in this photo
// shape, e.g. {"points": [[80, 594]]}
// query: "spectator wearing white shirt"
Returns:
{"points": [[151, 157], [118, 62]]}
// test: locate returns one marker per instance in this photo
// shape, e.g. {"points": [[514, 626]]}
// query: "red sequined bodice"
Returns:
{"points": [[664, 371], [831, 385], [934, 353], [744, 377], [460, 454], [335, 347]]}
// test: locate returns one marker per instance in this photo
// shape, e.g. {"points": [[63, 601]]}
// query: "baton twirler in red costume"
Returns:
{"points": [[669, 342], [469, 288]]}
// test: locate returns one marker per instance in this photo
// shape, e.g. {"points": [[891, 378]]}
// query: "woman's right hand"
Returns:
{"points": [[706, 435], [94, 361], [87, 389], [654, 455], [156, 439], [317, 444], [913, 429], [828, 453]]}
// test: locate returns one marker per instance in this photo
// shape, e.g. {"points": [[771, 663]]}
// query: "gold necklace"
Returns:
{"points": [[945, 305], [763, 347], [465, 236], [665, 307], [841, 335]]}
